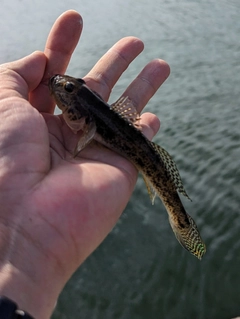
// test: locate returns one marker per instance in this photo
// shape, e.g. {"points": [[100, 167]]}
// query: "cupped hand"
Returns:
{"points": [[56, 209]]}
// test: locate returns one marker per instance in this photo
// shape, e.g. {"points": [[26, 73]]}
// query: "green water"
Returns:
{"points": [[140, 271]]}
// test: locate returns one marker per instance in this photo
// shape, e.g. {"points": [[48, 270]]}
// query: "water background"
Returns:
{"points": [[140, 271]]}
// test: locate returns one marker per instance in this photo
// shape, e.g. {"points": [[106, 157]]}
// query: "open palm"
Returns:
{"points": [[60, 206]]}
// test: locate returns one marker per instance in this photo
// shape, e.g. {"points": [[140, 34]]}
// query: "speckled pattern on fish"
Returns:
{"points": [[117, 127]]}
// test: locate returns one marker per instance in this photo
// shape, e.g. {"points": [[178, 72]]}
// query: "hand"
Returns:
{"points": [[55, 210]]}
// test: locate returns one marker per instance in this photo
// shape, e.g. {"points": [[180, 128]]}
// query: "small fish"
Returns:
{"points": [[117, 127]]}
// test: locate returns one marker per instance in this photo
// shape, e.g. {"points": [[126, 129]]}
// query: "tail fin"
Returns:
{"points": [[189, 237]]}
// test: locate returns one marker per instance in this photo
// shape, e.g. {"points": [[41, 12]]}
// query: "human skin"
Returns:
{"points": [[56, 209]]}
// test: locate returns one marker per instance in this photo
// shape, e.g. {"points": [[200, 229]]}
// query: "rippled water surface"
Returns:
{"points": [[140, 271]]}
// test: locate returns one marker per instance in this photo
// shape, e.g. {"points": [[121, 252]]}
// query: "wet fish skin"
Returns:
{"points": [[84, 109]]}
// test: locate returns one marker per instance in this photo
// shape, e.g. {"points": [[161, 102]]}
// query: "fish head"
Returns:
{"points": [[64, 90], [63, 87]]}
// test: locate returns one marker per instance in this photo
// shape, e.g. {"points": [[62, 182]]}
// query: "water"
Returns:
{"points": [[140, 271]]}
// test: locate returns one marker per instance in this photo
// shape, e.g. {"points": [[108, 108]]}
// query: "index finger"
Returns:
{"points": [[60, 45]]}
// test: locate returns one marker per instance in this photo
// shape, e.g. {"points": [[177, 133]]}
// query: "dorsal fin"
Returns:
{"points": [[171, 168], [125, 108]]}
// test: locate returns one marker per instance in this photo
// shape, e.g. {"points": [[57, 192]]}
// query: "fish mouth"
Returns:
{"points": [[52, 79], [55, 81], [51, 83]]}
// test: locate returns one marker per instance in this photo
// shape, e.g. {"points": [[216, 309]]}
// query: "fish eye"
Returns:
{"points": [[69, 86]]}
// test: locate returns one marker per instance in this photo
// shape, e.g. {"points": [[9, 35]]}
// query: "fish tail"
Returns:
{"points": [[166, 185], [183, 225], [188, 235]]}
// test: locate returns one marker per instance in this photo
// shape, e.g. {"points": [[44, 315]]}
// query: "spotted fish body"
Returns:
{"points": [[116, 126]]}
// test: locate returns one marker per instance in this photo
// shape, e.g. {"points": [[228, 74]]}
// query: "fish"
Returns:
{"points": [[117, 127]]}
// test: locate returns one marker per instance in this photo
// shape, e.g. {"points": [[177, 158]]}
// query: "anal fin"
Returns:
{"points": [[151, 191]]}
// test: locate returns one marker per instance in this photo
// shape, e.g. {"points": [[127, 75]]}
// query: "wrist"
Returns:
{"points": [[37, 300], [27, 276], [16, 288]]}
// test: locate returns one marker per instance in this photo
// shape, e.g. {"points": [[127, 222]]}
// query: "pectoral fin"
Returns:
{"points": [[89, 130]]}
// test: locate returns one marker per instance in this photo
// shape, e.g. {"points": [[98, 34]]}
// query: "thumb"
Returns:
{"points": [[20, 77]]}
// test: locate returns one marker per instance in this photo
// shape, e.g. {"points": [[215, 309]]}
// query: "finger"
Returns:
{"points": [[150, 125], [60, 45], [110, 67], [147, 83], [61, 42], [21, 76]]}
